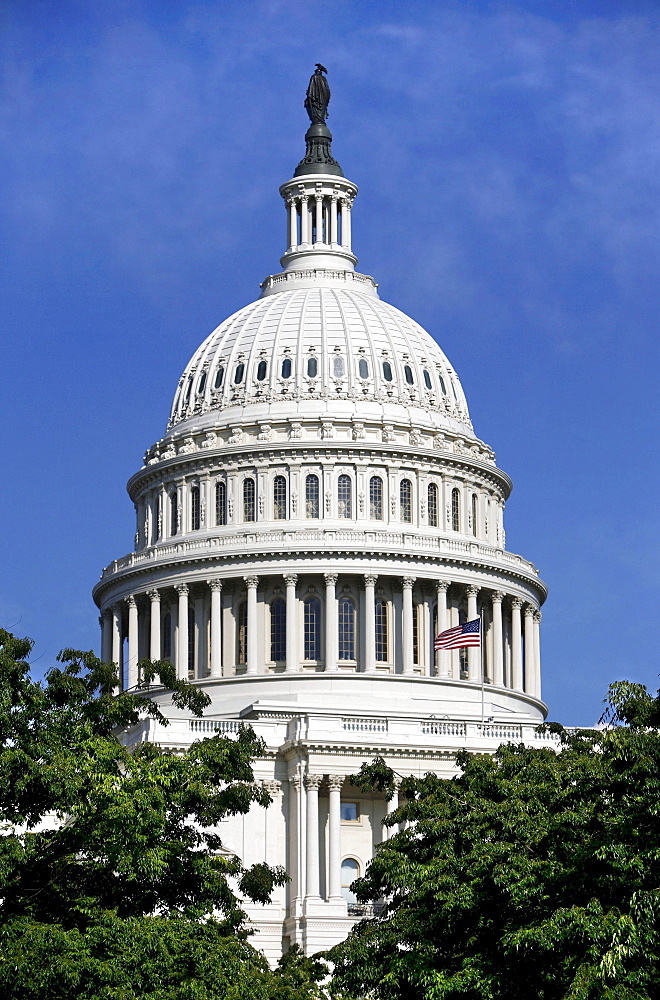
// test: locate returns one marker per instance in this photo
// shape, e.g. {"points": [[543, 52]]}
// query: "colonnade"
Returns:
{"points": [[369, 623], [318, 217]]}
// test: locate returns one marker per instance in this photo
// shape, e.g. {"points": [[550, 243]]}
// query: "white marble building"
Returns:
{"points": [[317, 510]]}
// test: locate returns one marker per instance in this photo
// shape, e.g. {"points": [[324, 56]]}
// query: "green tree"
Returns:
{"points": [[114, 881], [532, 874]]}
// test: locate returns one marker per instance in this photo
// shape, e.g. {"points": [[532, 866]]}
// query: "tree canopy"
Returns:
{"points": [[532, 874], [114, 881]]}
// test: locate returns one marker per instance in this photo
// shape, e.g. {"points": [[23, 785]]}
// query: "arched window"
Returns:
{"points": [[240, 371], [195, 509], [174, 513], [219, 376], [248, 499], [346, 629], [312, 496], [407, 371], [312, 620], [363, 368], [167, 637], [262, 368], [380, 613], [312, 367], [220, 503], [427, 379], [279, 498], [455, 509], [201, 385], [387, 371], [344, 505], [278, 630], [442, 385], [242, 633], [433, 505], [376, 498], [405, 500], [350, 870], [189, 389], [475, 510], [286, 368]]}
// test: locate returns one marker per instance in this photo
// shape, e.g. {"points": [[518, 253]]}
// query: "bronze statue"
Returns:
{"points": [[318, 96]]}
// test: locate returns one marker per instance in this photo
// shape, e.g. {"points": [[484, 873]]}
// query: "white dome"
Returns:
{"points": [[331, 339]]}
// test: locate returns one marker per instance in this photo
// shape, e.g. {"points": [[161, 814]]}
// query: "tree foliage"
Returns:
{"points": [[114, 881], [532, 874]]}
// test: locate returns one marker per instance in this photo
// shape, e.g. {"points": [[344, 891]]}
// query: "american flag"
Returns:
{"points": [[468, 634]]}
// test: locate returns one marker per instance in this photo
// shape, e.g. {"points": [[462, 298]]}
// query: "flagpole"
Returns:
{"points": [[483, 665]]}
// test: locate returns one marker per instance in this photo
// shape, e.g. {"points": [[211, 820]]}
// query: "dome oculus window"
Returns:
{"points": [[262, 368], [202, 384], [312, 367], [407, 371], [427, 379], [338, 367], [238, 374], [442, 385], [286, 368], [387, 371], [363, 368], [219, 377]]}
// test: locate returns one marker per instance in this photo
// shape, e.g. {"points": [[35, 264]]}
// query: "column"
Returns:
{"points": [[530, 669], [294, 867], [335, 782], [293, 223], [537, 653], [200, 652], [105, 621], [498, 649], [370, 622], [516, 650], [228, 630], [391, 806], [304, 219], [117, 635], [154, 625], [474, 652], [182, 590], [216, 630], [312, 782], [319, 218], [346, 223], [132, 667], [291, 579], [333, 220], [330, 621], [442, 660], [407, 624], [251, 582]]}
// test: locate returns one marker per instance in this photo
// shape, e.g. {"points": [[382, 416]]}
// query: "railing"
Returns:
{"points": [[365, 909], [500, 731], [214, 726], [433, 728], [364, 725]]}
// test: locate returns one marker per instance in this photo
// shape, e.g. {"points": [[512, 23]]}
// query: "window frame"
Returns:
{"points": [[249, 503]]}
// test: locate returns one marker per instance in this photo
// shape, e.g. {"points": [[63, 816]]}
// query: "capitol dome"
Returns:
{"points": [[317, 511]]}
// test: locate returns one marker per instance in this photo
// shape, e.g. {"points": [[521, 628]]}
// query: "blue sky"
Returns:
{"points": [[508, 158]]}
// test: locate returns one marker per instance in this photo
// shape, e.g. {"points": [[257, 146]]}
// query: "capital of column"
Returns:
{"points": [[214, 584], [130, 601], [153, 595], [313, 781], [370, 579], [408, 582], [330, 579], [182, 589], [471, 590], [516, 602], [291, 579], [251, 582], [442, 586], [273, 787], [529, 611], [537, 617], [335, 781], [498, 596]]}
